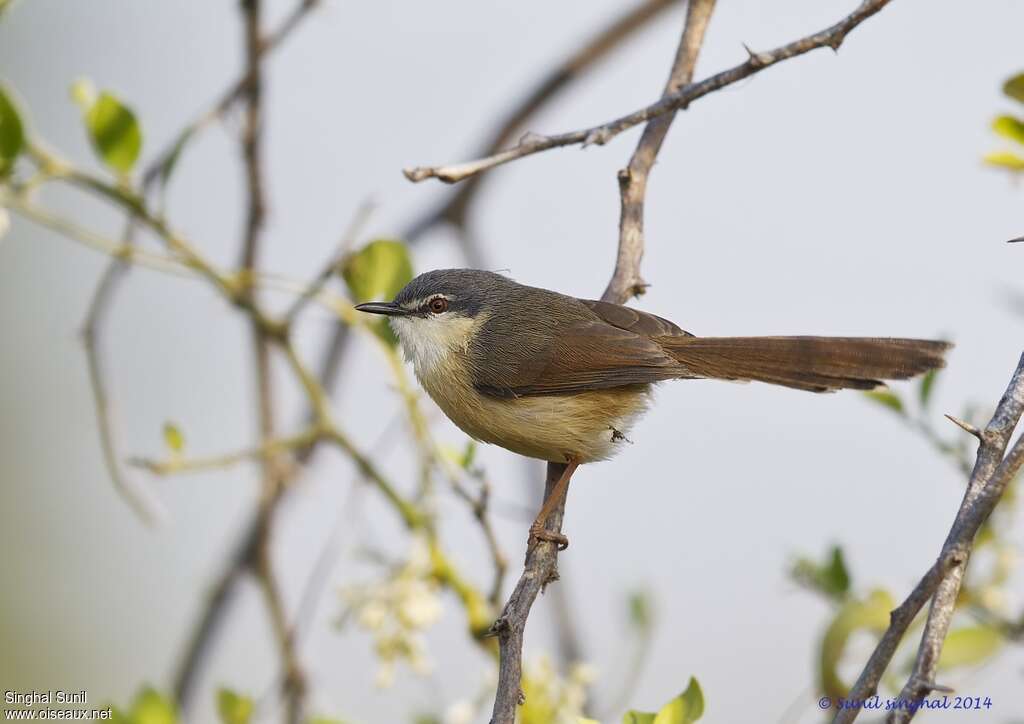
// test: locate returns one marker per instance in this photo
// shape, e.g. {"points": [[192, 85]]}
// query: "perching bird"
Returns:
{"points": [[562, 379]]}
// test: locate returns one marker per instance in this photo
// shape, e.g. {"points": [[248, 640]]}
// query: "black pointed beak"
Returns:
{"points": [[389, 309]]}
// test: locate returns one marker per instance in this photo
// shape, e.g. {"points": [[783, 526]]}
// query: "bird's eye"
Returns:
{"points": [[438, 305]]}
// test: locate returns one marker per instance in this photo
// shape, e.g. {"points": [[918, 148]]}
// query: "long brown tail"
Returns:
{"points": [[818, 364]]}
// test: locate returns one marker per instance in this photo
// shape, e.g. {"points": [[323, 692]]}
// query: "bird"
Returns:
{"points": [[561, 379]]}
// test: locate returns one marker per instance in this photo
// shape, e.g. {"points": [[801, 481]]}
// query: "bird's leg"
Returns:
{"points": [[537, 530]]}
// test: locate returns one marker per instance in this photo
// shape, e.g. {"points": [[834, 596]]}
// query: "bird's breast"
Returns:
{"points": [[587, 426]]}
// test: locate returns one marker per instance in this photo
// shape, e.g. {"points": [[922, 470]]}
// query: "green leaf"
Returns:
{"points": [[640, 614], [686, 708], [173, 438], [887, 398], [872, 614], [1009, 127], [926, 387], [468, 455], [1004, 159], [1014, 87], [233, 708], [12, 133], [638, 717], [969, 646], [378, 271], [172, 158], [113, 129], [150, 707]]}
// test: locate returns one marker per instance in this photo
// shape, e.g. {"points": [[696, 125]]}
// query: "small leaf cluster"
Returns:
{"points": [[1011, 128]]}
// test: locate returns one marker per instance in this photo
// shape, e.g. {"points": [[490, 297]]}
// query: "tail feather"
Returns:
{"points": [[818, 364]]}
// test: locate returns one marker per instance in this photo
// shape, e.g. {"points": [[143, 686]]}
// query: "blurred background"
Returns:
{"points": [[840, 194]]}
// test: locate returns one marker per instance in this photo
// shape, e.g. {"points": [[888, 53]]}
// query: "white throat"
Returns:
{"points": [[428, 341]]}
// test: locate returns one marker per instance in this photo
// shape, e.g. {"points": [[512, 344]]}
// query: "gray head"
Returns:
{"points": [[438, 314], [445, 293]]}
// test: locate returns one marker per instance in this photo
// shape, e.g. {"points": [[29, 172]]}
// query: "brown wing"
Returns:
{"points": [[604, 345]]}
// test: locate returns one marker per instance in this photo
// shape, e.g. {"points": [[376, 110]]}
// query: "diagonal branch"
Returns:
{"points": [[541, 565], [454, 209], [533, 143], [991, 474]]}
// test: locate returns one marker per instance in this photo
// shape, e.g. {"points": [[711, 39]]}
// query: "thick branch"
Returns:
{"points": [[626, 282], [541, 565], [533, 143], [992, 473]]}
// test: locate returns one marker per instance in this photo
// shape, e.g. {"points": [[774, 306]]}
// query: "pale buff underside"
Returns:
{"points": [[585, 427]]}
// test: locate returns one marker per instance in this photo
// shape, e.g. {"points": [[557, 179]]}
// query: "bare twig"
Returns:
{"points": [[595, 48], [348, 238], [231, 95], [533, 143], [991, 474], [141, 500], [541, 565], [273, 475], [479, 504]]}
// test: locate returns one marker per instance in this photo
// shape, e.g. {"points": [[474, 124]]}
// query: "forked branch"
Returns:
{"points": [[993, 471], [532, 143]]}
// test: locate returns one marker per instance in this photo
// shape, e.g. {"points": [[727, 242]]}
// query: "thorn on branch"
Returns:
{"points": [[500, 625], [598, 137], [966, 426], [530, 139], [757, 60]]}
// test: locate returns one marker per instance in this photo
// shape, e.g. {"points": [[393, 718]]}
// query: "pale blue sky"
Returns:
{"points": [[834, 194]]}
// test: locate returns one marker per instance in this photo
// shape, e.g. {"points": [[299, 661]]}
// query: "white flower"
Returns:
{"points": [[460, 712]]}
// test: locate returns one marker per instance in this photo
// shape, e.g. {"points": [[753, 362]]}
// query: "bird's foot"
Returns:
{"points": [[539, 533]]}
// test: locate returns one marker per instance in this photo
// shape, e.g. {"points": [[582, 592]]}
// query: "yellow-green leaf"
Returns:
{"points": [[640, 614], [1005, 159], [233, 708], [150, 707], [12, 132], [112, 127], [1009, 127], [686, 708], [872, 614], [174, 438], [927, 387], [1014, 87], [886, 398], [468, 455], [638, 717], [969, 646], [377, 271]]}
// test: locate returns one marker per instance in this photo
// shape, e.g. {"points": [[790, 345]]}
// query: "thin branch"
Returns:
{"points": [[355, 226], [533, 143], [541, 565], [274, 476], [271, 448], [991, 474], [136, 495], [594, 49], [231, 95]]}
